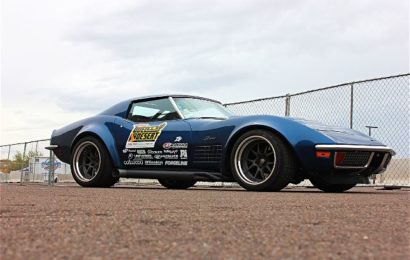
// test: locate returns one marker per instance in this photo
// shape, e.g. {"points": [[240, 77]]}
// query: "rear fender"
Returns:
{"points": [[102, 132]]}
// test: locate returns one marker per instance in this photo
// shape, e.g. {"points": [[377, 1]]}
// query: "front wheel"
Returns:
{"points": [[176, 184], [262, 161], [91, 164], [329, 187]]}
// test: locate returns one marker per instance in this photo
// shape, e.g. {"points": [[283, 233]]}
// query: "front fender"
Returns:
{"points": [[301, 139]]}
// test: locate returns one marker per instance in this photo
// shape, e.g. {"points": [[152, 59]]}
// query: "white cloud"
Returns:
{"points": [[62, 60]]}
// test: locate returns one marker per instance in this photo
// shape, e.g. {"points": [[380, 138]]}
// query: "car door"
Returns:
{"points": [[153, 136]]}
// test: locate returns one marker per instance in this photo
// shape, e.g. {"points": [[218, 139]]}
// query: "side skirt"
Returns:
{"points": [[180, 175]]}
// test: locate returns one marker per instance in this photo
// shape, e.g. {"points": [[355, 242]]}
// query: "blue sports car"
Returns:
{"points": [[181, 139]]}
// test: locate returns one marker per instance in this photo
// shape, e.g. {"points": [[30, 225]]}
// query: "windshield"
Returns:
{"points": [[200, 108]]}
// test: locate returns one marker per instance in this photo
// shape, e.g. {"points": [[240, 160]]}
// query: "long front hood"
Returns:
{"points": [[340, 135]]}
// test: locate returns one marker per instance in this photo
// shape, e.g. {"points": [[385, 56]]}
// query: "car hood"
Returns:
{"points": [[340, 135]]}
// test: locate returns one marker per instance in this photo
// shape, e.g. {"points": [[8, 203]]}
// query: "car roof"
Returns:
{"points": [[121, 108], [172, 95]]}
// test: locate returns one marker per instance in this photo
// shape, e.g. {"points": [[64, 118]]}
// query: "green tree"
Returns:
{"points": [[19, 161]]}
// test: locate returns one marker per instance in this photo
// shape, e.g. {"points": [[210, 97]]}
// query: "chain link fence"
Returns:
{"points": [[379, 107], [31, 162]]}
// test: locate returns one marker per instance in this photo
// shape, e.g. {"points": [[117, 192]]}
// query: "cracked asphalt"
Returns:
{"points": [[128, 221]]}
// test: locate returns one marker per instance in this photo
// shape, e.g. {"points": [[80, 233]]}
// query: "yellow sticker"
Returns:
{"points": [[144, 135]]}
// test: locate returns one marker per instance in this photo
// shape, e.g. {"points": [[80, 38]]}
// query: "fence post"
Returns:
{"points": [[33, 169], [8, 161], [287, 105], [34, 163], [351, 105], [50, 169], [22, 168]]}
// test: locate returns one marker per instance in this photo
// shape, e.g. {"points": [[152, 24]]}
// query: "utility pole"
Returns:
{"points": [[370, 129]]}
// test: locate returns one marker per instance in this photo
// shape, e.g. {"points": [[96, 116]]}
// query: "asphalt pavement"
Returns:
{"points": [[128, 221]]}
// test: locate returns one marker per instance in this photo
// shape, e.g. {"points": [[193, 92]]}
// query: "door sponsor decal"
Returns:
{"points": [[151, 157], [144, 135], [175, 145], [176, 163], [183, 154], [153, 163], [140, 148], [133, 160]]}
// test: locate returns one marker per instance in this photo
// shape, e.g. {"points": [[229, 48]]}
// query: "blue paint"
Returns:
{"points": [[112, 127]]}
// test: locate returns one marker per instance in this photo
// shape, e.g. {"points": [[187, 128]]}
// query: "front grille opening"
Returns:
{"points": [[355, 159]]}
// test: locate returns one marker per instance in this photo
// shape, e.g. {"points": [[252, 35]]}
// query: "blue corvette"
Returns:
{"points": [[181, 139]]}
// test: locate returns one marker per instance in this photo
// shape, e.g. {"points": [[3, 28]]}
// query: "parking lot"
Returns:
{"points": [[67, 221]]}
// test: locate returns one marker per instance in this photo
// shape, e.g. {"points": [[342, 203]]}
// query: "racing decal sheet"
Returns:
{"points": [[142, 149], [144, 136]]}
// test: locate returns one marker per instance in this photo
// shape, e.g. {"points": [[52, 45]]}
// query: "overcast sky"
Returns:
{"points": [[65, 60]]}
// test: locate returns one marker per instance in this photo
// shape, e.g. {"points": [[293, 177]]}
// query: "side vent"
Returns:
{"points": [[208, 153]]}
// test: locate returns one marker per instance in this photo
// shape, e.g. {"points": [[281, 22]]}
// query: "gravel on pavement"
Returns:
{"points": [[129, 221]]}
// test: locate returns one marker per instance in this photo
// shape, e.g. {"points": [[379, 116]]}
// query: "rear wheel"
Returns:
{"points": [[176, 184], [91, 164], [261, 161], [328, 187]]}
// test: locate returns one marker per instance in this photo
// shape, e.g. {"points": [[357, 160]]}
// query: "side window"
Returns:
{"points": [[152, 110]]}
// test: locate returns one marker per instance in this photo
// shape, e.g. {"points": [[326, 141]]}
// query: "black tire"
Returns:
{"points": [[176, 184], [328, 187], [276, 153], [88, 172]]}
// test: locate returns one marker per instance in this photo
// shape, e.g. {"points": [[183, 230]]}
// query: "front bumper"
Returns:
{"points": [[378, 157], [345, 147]]}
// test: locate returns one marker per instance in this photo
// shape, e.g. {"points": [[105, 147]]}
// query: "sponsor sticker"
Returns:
{"points": [[133, 162], [144, 135], [154, 152], [183, 154], [166, 156], [128, 150], [176, 163], [170, 151], [155, 163], [143, 156], [175, 145]]}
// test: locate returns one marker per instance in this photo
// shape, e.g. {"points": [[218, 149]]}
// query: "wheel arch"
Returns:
{"points": [[108, 144]]}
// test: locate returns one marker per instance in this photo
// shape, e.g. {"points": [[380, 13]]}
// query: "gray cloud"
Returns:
{"points": [[258, 44], [84, 57]]}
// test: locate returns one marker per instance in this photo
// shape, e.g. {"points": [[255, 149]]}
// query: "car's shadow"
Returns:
{"points": [[293, 190]]}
